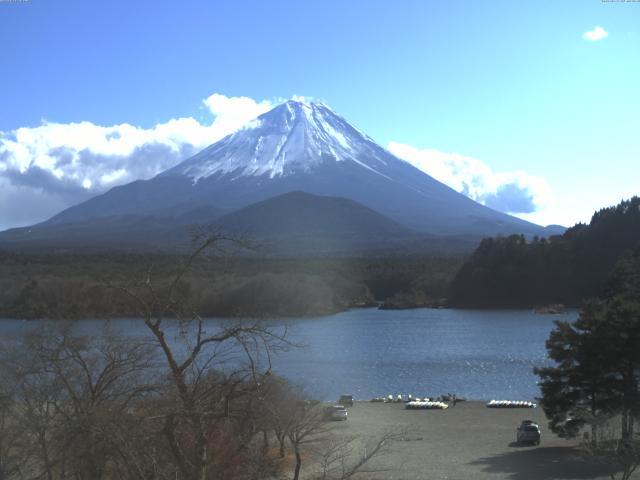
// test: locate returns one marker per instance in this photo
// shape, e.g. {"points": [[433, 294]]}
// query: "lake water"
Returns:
{"points": [[426, 352]]}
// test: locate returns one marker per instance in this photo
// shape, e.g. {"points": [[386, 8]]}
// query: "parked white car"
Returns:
{"points": [[528, 432]]}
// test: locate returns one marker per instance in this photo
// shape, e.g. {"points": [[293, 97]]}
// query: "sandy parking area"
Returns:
{"points": [[468, 441]]}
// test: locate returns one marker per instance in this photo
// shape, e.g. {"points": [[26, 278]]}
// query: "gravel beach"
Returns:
{"points": [[468, 441]]}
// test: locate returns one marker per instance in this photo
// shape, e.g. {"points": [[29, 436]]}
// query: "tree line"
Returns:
{"points": [[515, 272], [36, 286]]}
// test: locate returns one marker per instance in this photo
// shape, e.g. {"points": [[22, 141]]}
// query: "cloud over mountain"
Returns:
{"points": [[62, 164], [512, 192]]}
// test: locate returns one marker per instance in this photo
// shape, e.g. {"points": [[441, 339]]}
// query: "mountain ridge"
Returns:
{"points": [[297, 146]]}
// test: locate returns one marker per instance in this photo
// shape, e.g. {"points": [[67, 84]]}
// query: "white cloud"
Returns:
{"points": [[75, 160], [597, 33], [233, 113], [57, 147], [512, 192], [302, 99]]}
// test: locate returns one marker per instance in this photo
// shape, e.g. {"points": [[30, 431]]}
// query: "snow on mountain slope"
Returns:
{"points": [[293, 137]]}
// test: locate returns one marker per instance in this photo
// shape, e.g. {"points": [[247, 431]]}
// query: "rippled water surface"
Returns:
{"points": [[476, 354]]}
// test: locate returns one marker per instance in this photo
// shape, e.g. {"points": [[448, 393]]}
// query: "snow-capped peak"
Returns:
{"points": [[295, 136]]}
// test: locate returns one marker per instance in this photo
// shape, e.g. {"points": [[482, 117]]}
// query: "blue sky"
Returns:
{"points": [[513, 91]]}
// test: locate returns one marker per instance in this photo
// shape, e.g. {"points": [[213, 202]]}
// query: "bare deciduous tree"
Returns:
{"points": [[191, 399], [72, 400], [11, 437], [204, 347]]}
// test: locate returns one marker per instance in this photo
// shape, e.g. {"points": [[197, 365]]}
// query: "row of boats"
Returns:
{"points": [[389, 399], [510, 404], [400, 398], [420, 405], [439, 403]]}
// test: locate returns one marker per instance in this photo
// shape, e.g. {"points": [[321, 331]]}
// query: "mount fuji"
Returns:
{"points": [[296, 147]]}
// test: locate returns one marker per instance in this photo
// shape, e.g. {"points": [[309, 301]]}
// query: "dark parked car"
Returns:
{"points": [[346, 400]]}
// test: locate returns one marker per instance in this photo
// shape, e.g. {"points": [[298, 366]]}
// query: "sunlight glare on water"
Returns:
{"points": [[426, 352]]}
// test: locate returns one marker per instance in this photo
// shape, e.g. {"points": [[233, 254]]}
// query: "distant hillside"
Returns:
{"points": [[299, 213], [118, 232], [295, 224], [513, 272]]}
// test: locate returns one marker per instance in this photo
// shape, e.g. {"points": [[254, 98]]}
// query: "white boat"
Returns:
{"points": [[510, 404]]}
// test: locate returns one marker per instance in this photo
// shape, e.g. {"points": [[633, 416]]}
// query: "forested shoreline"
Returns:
{"points": [[86, 285], [503, 272], [514, 272]]}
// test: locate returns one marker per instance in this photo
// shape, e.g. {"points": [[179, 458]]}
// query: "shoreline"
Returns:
{"points": [[308, 316]]}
